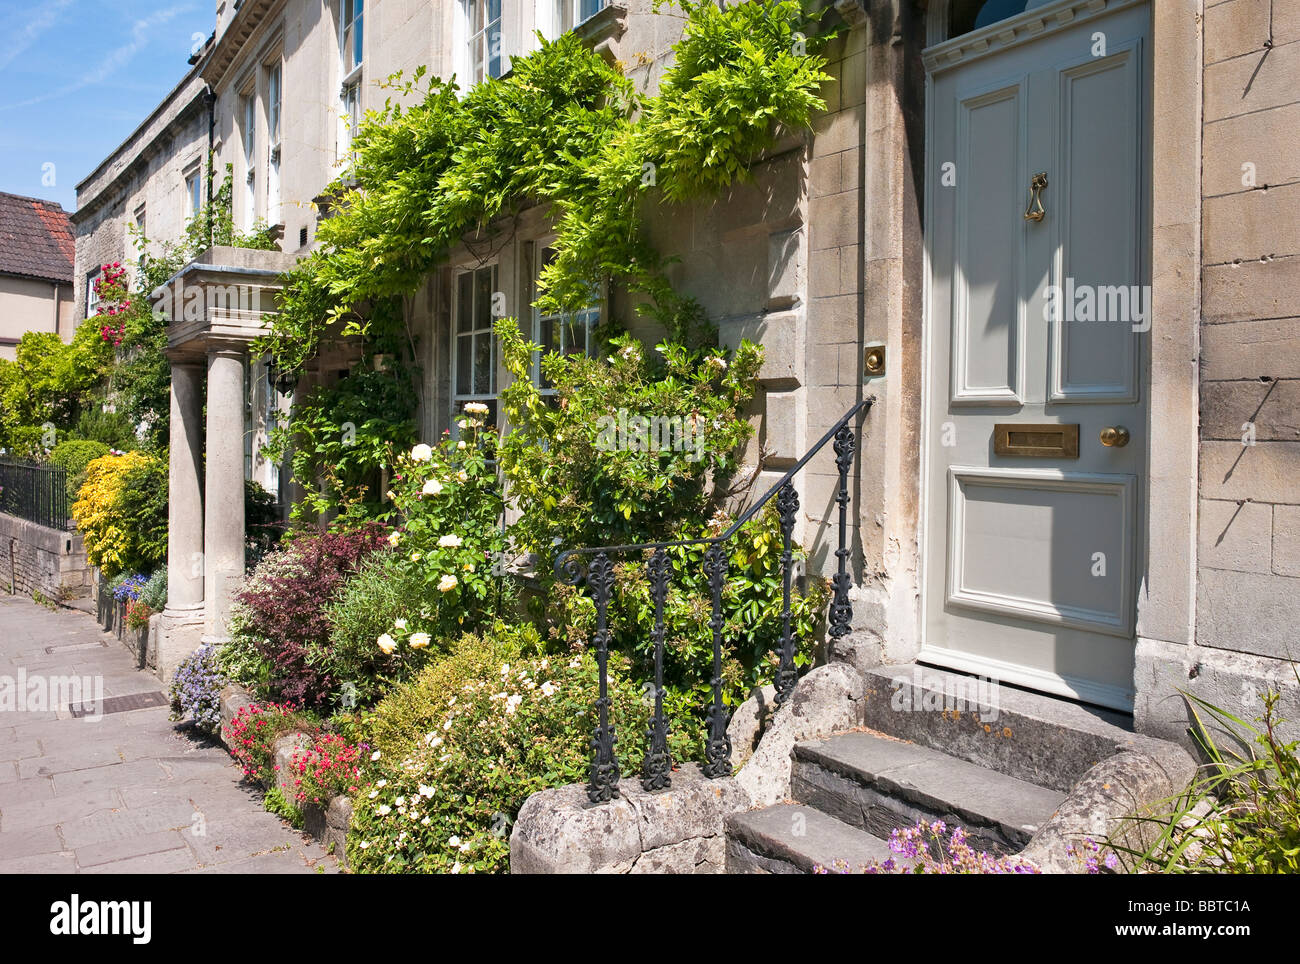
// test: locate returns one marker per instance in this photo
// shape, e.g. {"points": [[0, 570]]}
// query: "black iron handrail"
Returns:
{"points": [[599, 572], [35, 492]]}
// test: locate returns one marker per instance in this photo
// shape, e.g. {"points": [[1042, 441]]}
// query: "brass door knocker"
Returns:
{"points": [[1035, 211]]}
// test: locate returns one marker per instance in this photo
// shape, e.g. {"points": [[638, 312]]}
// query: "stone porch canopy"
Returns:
{"points": [[217, 304]]}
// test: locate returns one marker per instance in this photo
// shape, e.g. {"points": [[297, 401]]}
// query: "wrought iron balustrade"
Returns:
{"points": [[35, 492], [595, 566]]}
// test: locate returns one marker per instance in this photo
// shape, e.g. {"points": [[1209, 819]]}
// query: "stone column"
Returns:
{"points": [[180, 626], [223, 517], [185, 491]]}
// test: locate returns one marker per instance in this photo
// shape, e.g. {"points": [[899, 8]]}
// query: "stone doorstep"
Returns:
{"points": [[792, 838], [1042, 740], [879, 784]]}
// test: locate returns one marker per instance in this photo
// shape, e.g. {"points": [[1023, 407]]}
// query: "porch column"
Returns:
{"points": [[223, 518], [180, 626], [184, 490]]}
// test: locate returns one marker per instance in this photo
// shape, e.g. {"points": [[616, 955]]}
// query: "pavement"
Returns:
{"points": [[121, 791]]}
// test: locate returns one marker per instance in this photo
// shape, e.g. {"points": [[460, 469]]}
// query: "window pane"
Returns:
{"points": [[482, 364], [968, 15], [357, 56], [464, 300], [464, 366], [589, 8], [483, 298]]}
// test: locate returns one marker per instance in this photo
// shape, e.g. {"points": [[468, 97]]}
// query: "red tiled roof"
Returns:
{"points": [[36, 239]]}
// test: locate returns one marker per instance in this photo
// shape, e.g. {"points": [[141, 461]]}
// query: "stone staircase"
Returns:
{"points": [[1000, 780]]}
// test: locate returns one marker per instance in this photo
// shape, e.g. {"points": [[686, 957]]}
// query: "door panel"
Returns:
{"points": [[1031, 564], [987, 316], [1095, 357]]}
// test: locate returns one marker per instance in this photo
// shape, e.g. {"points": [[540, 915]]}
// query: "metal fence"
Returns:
{"points": [[38, 493]]}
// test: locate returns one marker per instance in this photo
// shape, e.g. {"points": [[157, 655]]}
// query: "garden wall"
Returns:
{"points": [[111, 613], [49, 561]]}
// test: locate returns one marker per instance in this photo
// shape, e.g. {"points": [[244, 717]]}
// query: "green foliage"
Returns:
{"points": [[154, 594], [73, 456], [563, 128], [465, 745], [443, 578], [241, 661], [1240, 815], [113, 428], [274, 802], [340, 440], [384, 604], [49, 383], [570, 473]]}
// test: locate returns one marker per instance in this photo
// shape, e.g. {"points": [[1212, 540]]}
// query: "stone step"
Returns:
{"points": [[878, 784], [794, 839]]}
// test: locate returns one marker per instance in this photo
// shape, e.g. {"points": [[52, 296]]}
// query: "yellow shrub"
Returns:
{"points": [[98, 510]]}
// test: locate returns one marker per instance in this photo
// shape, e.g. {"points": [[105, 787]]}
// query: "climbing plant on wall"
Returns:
{"points": [[564, 129]]}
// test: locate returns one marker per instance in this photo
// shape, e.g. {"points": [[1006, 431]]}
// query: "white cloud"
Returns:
{"points": [[20, 40], [141, 34]]}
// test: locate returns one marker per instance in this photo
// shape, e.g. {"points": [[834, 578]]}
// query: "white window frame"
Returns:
{"points": [[471, 335], [475, 40], [589, 318], [274, 125], [352, 35], [557, 17], [92, 303], [193, 192], [249, 136]]}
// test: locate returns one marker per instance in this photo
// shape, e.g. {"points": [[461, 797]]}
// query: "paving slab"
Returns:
{"points": [[130, 792]]}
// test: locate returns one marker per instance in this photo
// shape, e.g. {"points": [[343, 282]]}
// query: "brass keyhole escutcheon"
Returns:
{"points": [[1114, 436], [1036, 211]]}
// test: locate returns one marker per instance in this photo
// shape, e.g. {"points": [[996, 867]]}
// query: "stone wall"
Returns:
{"points": [[1248, 565], [36, 559], [145, 177]]}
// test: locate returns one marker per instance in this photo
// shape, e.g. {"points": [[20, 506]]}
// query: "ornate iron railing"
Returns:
{"points": [[598, 573], [38, 493]]}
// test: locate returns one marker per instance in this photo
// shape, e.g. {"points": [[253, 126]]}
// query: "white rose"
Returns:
{"points": [[419, 640], [447, 583], [449, 541], [421, 453], [387, 644], [432, 487]]}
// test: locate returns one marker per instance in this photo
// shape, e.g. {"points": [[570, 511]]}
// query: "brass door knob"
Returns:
{"points": [[1114, 436]]}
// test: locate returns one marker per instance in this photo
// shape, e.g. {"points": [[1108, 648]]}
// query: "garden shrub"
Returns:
{"points": [[462, 747], [122, 512], [282, 610], [254, 730], [154, 593], [196, 690], [73, 456], [241, 662], [383, 606], [1241, 812], [578, 486]]}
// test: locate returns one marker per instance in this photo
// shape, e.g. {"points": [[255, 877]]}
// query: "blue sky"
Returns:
{"points": [[77, 76]]}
